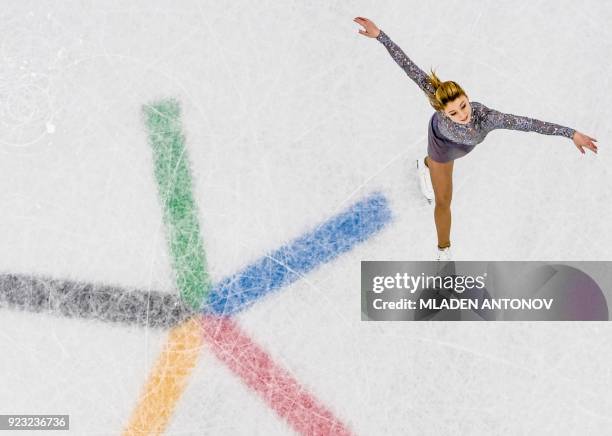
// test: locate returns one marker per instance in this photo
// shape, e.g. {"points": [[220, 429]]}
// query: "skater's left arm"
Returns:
{"points": [[500, 120]]}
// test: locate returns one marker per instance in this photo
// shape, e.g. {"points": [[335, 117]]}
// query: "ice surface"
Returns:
{"points": [[291, 117]]}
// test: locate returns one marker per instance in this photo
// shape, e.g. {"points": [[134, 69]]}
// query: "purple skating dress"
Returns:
{"points": [[448, 140]]}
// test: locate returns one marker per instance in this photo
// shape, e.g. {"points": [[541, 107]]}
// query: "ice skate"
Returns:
{"points": [[424, 180], [444, 254]]}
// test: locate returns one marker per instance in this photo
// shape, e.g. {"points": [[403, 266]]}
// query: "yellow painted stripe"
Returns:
{"points": [[167, 380]]}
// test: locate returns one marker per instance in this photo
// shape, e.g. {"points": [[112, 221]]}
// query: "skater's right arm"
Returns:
{"points": [[414, 72], [411, 69]]}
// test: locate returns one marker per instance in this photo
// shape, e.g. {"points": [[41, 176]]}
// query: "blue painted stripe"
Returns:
{"points": [[288, 263]]}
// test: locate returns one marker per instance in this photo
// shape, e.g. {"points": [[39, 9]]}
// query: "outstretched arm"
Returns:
{"points": [[499, 120], [411, 69]]}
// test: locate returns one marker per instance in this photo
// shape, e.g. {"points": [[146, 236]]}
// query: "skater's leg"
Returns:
{"points": [[442, 183]]}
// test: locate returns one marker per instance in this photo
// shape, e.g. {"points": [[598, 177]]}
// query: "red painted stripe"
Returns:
{"points": [[274, 384]]}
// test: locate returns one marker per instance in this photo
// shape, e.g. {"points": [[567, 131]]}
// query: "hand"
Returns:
{"points": [[371, 31], [581, 140]]}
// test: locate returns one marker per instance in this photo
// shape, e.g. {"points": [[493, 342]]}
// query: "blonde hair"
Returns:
{"points": [[444, 91]]}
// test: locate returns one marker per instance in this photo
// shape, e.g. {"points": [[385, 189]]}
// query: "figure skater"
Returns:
{"points": [[454, 130]]}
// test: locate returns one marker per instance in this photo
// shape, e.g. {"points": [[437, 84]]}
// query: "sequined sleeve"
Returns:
{"points": [[498, 120], [411, 69]]}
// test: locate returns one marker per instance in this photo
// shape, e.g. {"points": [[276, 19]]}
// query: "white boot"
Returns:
{"points": [[444, 254], [424, 180]]}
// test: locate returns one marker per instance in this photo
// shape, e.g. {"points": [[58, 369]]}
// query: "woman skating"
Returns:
{"points": [[454, 130]]}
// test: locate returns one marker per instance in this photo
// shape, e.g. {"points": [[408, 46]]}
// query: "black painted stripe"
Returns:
{"points": [[92, 301]]}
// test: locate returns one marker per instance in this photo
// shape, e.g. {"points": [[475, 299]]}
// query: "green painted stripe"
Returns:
{"points": [[180, 211]]}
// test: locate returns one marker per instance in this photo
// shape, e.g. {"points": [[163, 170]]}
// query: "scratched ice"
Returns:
{"points": [[291, 118]]}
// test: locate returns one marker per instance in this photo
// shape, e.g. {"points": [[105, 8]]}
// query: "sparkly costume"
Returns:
{"points": [[448, 140]]}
